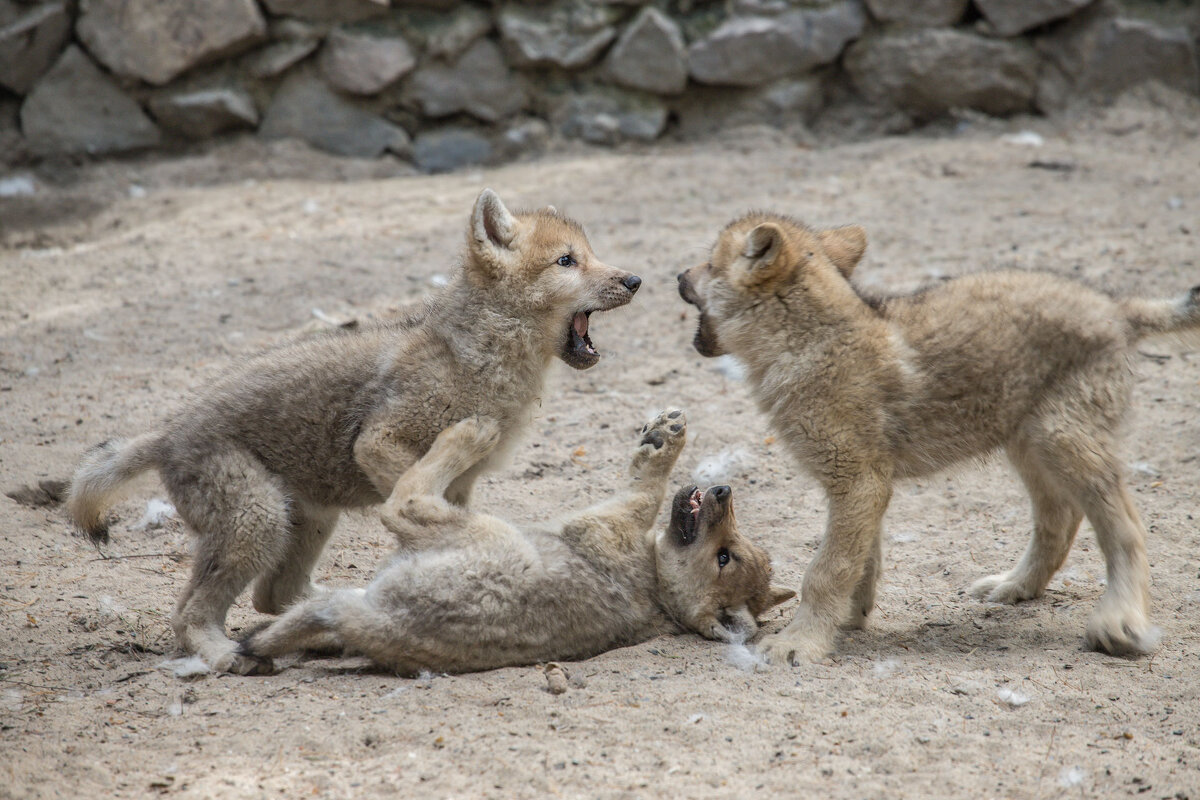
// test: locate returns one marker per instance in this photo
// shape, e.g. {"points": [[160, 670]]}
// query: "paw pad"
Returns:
{"points": [[655, 438]]}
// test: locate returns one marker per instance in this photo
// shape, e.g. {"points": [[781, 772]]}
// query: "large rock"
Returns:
{"points": [[1103, 55], [649, 55], [277, 58], [1010, 17], [748, 51], [784, 103], [479, 83], [202, 113], [933, 70], [75, 108], [328, 10], [362, 63], [920, 13], [30, 41], [454, 33], [305, 108], [155, 40], [568, 33], [606, 116], [450, 148]]}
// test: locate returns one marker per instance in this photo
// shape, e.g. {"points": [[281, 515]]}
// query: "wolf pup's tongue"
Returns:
{"points": [[578, 350]]}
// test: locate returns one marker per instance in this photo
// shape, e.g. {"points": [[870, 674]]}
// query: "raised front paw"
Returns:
{"points": [[475, 435], [660, 441]]}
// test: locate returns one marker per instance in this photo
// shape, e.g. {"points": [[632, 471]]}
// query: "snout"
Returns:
{"points": [[685, 288], [631, 282], [717, 502]]}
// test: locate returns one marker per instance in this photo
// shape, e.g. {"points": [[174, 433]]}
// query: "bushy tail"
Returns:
{"points": [[101, 477], [1178, 317]]}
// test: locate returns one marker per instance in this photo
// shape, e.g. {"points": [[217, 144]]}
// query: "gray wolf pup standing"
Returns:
{"points": [[468, 591], [260, 464], [865, 391]]}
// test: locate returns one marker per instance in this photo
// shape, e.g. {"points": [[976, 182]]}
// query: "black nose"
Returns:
{"points": [[720, 493], [632, 283], [679, 277]]}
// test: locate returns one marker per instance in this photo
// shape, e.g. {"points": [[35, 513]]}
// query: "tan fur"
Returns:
{"points": [[867, 391], [260, 464], [467, 591]]}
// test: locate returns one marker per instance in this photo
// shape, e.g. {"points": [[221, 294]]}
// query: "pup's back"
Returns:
{"points": [[977, 355]]}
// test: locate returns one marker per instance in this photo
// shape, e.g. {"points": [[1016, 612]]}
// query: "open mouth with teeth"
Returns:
{"points": [[578, 350], [685, 514]]}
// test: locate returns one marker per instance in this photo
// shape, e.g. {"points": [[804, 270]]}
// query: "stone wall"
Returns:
{"points": [[452, 82]]}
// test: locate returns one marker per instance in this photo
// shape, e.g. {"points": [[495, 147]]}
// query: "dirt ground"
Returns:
{"points": [[127, 284]]}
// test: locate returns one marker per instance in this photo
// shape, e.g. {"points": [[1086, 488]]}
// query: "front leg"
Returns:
{"points": [[631, 513], [416, 510], [855, 520]]}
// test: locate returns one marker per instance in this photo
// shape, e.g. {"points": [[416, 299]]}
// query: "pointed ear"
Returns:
{"points": [[777, 595], [844, 246], [766, 250], [491, 222]]}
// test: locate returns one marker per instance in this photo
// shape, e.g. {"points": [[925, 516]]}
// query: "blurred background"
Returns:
{"points": [[440, 84]]}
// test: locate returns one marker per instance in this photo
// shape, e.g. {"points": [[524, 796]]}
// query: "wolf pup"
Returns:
{"points": [[865, 391], [260, 464], [468, 591]]}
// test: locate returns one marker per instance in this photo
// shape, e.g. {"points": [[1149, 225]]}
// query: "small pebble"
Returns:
{"points": [[556, 679]]}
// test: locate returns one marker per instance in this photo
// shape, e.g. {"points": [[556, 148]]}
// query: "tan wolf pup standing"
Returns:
{"points": [[468, 591], [260, 464], [865, 391]]}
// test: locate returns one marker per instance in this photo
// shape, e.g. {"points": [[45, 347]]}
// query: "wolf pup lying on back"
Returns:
{"points": [[260, 464], [468, 591], [866, 391]]}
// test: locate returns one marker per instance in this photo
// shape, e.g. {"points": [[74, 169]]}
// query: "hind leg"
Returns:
{"points": [[863, 602], [291, 578], [1082, 459], [308, 624], [1056, 518], [241, 518], [417, 510], [1121, 622]]}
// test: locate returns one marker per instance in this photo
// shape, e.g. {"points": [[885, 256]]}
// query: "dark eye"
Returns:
{"points": [[722, 557], [565, 260]]}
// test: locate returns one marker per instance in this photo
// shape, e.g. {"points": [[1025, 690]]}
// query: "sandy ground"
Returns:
{"points": [[117, 301]]}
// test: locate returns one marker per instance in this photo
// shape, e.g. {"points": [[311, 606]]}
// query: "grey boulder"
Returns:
{"points": [[362, 63], [748, 51], [649, 55], [305, 108], [328, 10], [1103, 55], [204, 112], [155, 40], [568, 34], [932, 70], [29, 43], [607, 116], [75, 108], [479, 83], [449, 149], [1010, 17], [919, 13]]}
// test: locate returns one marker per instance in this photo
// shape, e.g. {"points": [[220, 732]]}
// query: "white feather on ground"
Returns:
{"points": [[185, 668], [158, 511]]}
